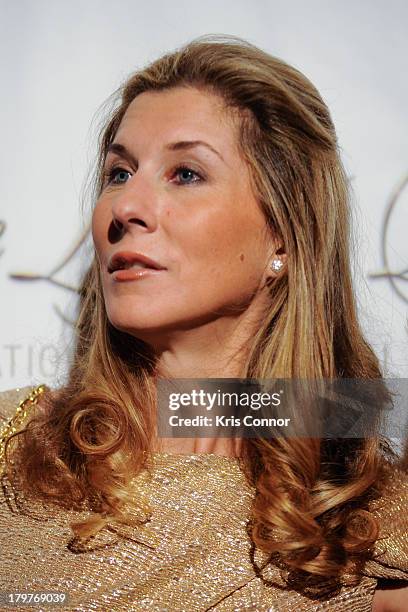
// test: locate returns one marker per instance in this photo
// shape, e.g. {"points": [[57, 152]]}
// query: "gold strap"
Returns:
{"points": [[17, 420]]}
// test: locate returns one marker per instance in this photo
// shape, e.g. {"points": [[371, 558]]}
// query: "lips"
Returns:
{"points": [[125, 259]]}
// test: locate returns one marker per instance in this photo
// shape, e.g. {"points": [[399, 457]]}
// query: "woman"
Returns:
{"points": [[221, 232]]}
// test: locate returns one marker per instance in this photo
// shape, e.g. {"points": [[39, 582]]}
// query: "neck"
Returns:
{"points": [[219, 349]]}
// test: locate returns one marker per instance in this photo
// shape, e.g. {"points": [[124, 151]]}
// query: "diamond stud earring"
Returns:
{"points": [[276, 265]]}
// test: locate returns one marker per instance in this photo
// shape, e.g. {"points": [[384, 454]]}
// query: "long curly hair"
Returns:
{"points": [[90, 438]]}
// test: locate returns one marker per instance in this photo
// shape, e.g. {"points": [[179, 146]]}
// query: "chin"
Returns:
{"points": [[143, 326]]}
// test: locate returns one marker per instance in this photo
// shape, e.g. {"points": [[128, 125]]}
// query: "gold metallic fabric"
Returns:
{"points": [[194, 554]]}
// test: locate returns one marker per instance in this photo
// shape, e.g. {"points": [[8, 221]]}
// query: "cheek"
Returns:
{"points": [[228, 249], [99, 225], [234, 239]]}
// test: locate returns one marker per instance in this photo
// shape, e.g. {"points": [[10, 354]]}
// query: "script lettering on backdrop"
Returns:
{"points": [[50, 277], [386, 241], [2, 230]]}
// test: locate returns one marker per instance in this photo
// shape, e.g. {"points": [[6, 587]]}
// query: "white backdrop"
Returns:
{"points": [[59, 62]]}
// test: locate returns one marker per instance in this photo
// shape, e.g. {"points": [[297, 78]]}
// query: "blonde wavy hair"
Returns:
{"points": [[94, 435]]}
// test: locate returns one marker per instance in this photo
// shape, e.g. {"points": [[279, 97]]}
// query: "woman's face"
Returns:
{"points": [[179, 193]]}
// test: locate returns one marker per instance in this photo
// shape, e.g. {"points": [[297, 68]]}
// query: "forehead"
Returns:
{"points": [[179, 113]]}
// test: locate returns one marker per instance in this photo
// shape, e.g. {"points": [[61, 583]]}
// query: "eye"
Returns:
{"points": [[186, 175], [116, 176]]}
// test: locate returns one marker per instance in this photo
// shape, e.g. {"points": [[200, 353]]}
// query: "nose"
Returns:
{"points": [[133, 206]]}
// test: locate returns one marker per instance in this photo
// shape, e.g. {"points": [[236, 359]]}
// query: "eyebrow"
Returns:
{"points": [[181, 145]]}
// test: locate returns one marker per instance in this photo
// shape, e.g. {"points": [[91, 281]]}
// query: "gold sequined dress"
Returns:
{"points": [[194, 554]]}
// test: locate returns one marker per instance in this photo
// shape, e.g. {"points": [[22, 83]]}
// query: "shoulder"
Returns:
{"points": [[390, 558], [389, 562], [15, 405], [11, 399]]}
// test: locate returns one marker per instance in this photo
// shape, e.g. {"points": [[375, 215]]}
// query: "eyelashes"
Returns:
{"points": [[183, 171], [110, 175]]}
